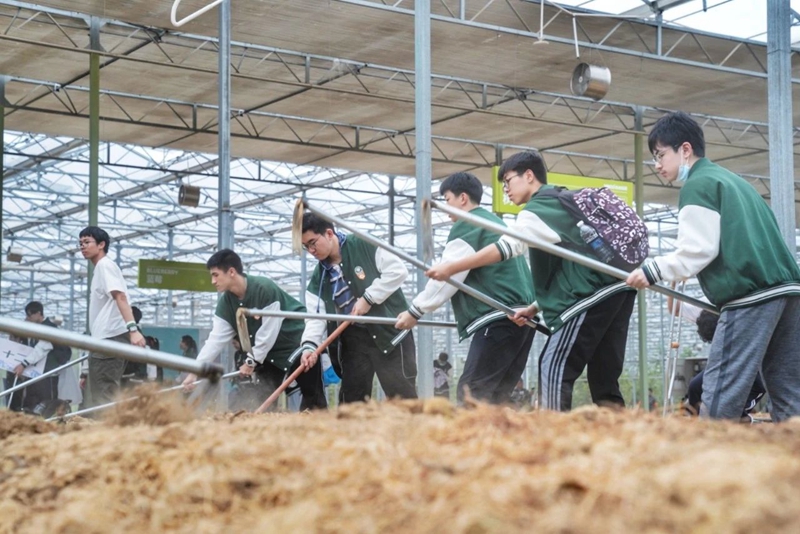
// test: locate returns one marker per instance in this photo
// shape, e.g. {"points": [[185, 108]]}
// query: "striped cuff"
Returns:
{"points": [[504, 249], [368, 299], [415, 312], [652, 272], [308, 345]]}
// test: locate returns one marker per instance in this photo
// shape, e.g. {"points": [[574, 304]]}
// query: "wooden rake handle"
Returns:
{"points": [[300, 370]]}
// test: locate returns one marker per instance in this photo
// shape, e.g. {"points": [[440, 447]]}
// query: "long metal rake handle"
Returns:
{"points": [[367, 319], [564, 253]]}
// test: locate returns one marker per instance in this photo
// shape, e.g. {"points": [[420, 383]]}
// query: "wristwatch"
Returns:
{"points": [[132, 327], [250, 362]]}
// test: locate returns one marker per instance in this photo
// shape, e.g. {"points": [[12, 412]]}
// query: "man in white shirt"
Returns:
{"points": [[110, 316]]}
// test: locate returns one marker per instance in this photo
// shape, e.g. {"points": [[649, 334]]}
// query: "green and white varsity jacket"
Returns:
{"points": [[275, 340], [371, 273], [563, 289], [729, 238], [508, 282]]}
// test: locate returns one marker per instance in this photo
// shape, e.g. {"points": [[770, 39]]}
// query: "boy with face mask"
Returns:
{"points": [[728, 237]]}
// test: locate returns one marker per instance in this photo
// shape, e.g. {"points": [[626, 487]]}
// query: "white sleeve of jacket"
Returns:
{"points": [[39, 353], [316, 330], [436, 292], [527, 224], [697, 246], [393, 274], [267, 334], [221, 335]]}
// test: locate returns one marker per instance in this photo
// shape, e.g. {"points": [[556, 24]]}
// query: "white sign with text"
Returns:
{"points": [[12, 354]]}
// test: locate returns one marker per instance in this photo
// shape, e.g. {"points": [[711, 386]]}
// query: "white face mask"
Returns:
{"points": [[683, 171]]}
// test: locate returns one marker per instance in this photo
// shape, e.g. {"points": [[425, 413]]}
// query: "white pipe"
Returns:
{"points": [[178, 23]]}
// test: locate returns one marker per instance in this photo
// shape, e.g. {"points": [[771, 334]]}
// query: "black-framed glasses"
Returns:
{"points": [[86, 242], [507, 180], [311, 245]]}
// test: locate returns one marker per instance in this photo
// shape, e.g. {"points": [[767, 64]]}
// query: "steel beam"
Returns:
{"points": [[779, 90]]}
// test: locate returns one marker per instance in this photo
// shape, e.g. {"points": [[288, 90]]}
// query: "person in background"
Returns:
{"points": [[441, 376]]}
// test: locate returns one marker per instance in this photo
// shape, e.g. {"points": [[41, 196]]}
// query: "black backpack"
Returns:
{"points": [[60, 354]]}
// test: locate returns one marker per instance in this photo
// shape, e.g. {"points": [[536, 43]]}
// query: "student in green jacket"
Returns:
{"points": [[499, 348], [587, 311], [728, 237], [355, 277], [276, 341]]}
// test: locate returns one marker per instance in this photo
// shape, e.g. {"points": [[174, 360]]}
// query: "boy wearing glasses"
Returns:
{"points": [[587, 312], [110, 316], [355, 277], [728, 237], [275, 340], [499, 348]]}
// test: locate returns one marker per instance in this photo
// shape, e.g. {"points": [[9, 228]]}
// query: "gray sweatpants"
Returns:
{"points": [[105, 373], [763, 337]]}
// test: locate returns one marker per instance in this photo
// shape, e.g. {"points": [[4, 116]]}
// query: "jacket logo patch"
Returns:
{"points": [[360, 274]]}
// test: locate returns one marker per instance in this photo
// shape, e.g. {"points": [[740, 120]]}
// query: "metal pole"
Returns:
{"points": [[170, 250], [422, 94], [555, 250], [419, 264], [391, 210], [225, 230], [30, 290], [641, 297], [779, 91], [42, 376], [109, 348], [72, 292], [94, 138], [3, 104], [224, 140], [365, 319], [303, 267]]}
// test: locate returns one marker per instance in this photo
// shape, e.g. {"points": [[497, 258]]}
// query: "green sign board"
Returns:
{"points": [[501, 204], [165, 274]]}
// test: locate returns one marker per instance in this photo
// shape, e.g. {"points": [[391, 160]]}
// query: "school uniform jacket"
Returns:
{"points": [[729, 237], [275, 340], [371, 273], [563, 289], [508, 282]]}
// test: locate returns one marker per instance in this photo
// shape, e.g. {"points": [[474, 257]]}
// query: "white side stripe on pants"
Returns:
{"points": [[555, 358]]}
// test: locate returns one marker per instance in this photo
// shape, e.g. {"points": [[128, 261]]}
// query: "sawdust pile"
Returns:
{"points": [[17, 423], [144, 404], [406, 467]]}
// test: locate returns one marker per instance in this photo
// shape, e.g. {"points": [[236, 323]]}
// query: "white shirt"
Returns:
{"points": [[105, 319]]}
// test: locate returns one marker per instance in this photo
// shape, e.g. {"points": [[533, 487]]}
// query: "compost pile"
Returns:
{"points": [[404, 467]]}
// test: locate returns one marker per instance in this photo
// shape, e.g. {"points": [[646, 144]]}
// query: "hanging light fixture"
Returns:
{"points": [[189, 195]]}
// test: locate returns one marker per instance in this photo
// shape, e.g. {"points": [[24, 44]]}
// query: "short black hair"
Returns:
{"points": [[98, 234], [446, 356], [137, 314], [316, 224], [707, 325], [225, 259], [33, 307], [463, 182], [674, 129], [523, 161]]}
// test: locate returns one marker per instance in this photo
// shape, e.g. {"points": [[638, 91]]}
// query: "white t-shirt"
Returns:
{"points": [[105, 320]]}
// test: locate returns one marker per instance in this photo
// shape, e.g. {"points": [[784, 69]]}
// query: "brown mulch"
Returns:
{"points": [[406, 467]]}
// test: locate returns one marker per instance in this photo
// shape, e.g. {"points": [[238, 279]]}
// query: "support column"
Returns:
{"points": [[170, 252], [779, 90], [303, 266], [225, 230], [422, 76], [31, 292], [391, 210], [3, 104], [641, 300], [94, 138], [72, 292]]}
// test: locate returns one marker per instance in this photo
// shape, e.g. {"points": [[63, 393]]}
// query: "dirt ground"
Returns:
{"points": [[407, 467]]}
